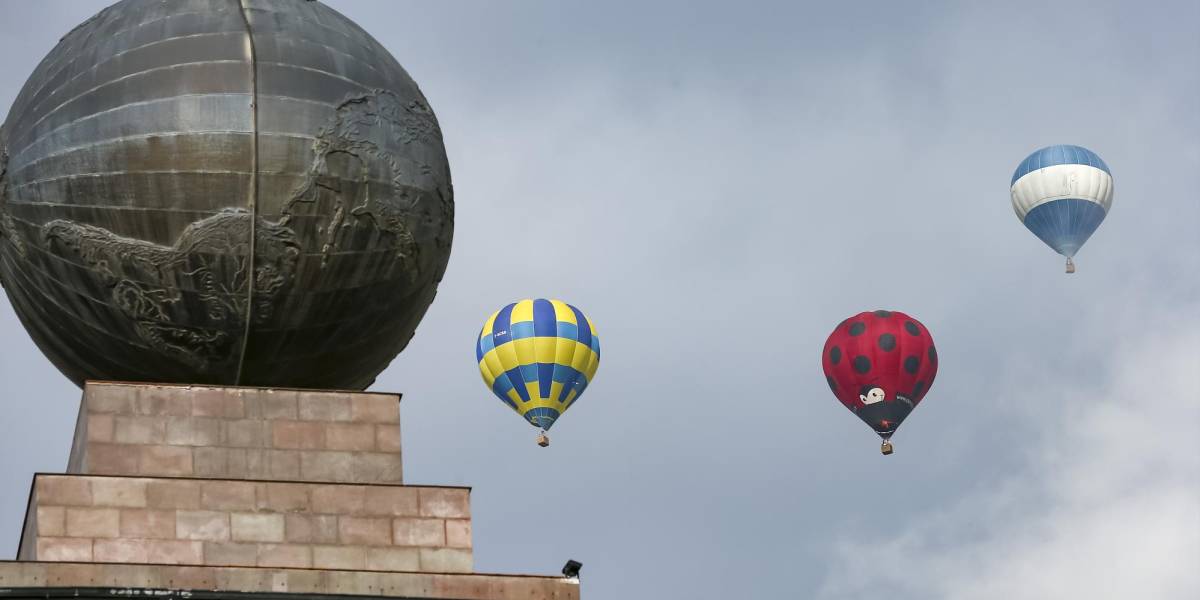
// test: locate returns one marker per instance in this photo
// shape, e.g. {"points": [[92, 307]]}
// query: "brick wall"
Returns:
{"points": [[193, 431], [213, 522]]}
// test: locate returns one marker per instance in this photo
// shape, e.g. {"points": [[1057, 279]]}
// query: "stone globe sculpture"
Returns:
{"points": [[233, 192]]}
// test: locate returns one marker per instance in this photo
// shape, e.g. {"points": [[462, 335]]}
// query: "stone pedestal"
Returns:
{"points": [[250, 491]]}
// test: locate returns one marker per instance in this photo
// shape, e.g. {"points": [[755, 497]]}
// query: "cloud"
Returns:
{"points": [[1105, 505]]}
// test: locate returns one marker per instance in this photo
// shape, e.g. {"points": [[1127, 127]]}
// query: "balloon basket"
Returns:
{"points": [[886, 447], [1070, 266], [543, 440]]}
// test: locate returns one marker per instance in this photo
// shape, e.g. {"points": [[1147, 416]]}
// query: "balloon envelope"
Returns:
{"points": [[1062, 194], [538, 357], [880, 365]]}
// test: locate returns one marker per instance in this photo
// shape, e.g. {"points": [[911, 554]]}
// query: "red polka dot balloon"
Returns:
{"points": [[880, 365]]}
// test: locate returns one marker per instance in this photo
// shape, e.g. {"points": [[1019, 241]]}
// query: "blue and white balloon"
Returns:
{"points": [[1062, 194]]}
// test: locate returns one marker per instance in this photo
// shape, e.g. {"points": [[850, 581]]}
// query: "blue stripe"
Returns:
{"points": [[522, 330], [545, 376], [518, 383], [500, 327], [501, 387], [543, 417], [544, 321], [486, 343], [1058, 155], [1065, 224], [585, 330], [479, 347], [568, 330], [529, 373], [596, 346]]}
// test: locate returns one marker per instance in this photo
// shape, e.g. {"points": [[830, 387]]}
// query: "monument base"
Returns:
{"points": [[202, 491]]}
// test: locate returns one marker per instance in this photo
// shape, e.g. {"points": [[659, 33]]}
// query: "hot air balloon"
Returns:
{"points": [[880, 365], [1062, 194], [538, 357]]}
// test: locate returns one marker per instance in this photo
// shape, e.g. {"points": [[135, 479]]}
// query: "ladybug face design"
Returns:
{"points": [[873, 395]]}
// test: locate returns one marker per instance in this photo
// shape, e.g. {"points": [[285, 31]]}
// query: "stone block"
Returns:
{"points": [[170, 461], [419, 532], [147, 523], [458, 533], [339, 499], [393, 559], [284, 497], [446, 503], [375, 408], [228, 495], [316, 529], [64, 549], [99, 427], [353, 437], [61, 490], [387, 438], [279, 405], [297, 435], [173, 494], [93, 523], [257, 527], [283, 464], [111, 459], [285, 555], [176, 552], [139, 430], [364, 531], [446, 560], [206, 525], [231, 554], [339, 557], [391, 501], [121, 551], [193, 431], [119, 492], [51, 521], [324, 406], [164, 401]]}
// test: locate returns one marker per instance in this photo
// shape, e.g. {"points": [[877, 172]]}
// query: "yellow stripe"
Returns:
{"points": [[556, 391], [522, 312], [492, 360], [487, 325], [488, 378], [516, 398], [507, 354], [525, 350], [536, 402], [562, 312], [579, 360], [592, 326], [545, 349]]}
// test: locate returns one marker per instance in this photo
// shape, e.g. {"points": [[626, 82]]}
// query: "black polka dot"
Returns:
{"points": [[917, 389], [883, 314], [832, 384], [835, 355], [932, 354], [887, 342], [858, 328], [862, 364], [911, 364], [911, 328]]}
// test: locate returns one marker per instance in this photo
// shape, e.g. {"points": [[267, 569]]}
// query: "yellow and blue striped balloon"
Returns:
{"points": [[538, 356]]}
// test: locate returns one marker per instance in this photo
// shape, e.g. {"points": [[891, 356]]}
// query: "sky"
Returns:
{"points": [[717, 185]]}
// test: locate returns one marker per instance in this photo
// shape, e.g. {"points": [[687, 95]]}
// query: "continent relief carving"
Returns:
{"points": [[349, 148], [8, 229], [211, 258]]}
